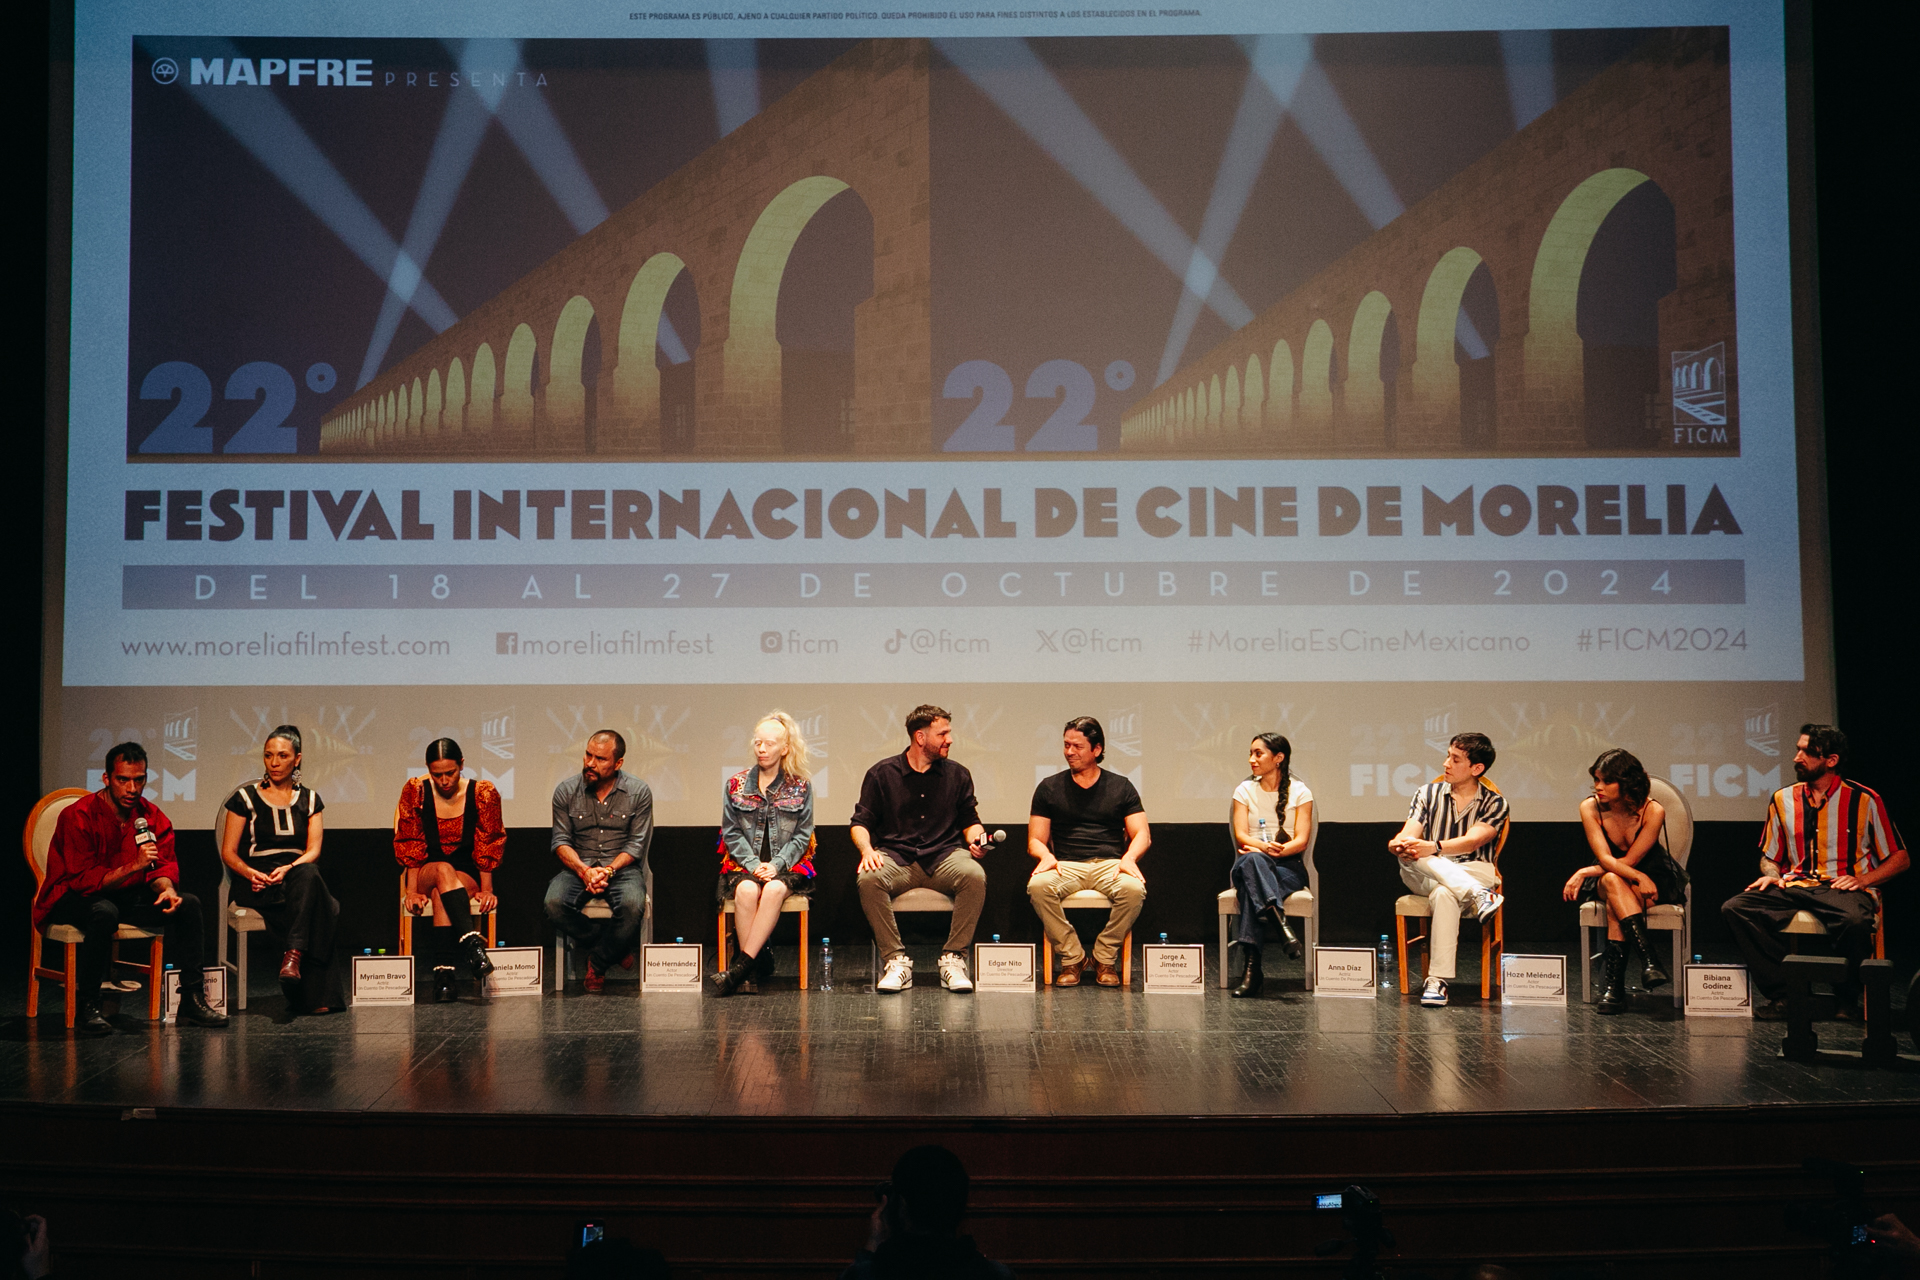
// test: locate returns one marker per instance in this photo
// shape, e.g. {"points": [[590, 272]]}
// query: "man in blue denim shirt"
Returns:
{"points": [[602, 826]]}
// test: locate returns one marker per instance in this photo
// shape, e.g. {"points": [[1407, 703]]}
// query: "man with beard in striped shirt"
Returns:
{"points": [[1827, 842], [1446, 852]]}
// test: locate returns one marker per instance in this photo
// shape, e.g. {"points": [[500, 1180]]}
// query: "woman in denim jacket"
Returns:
{"points": [[766, 845]]}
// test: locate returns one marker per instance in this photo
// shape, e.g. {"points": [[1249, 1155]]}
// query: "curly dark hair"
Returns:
{"points": [[1624, 769]]}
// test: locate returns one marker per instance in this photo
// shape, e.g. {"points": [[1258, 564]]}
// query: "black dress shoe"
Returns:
{"points": [[194, 1009], [443, 992], [475, 948], [91, 1022]]}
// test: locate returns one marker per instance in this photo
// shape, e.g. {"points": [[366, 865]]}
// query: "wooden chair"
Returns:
{"points": [[1806, 924], [1087, 899], [595, 908], [1301, 905], [407, 917], [792, 904], [930, 900], [1493, 936], [37, 839], [229, 917], [1675, 918]]}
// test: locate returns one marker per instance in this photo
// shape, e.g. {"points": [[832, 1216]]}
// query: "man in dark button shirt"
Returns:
{"points": [[917, 827], [1087, 831], [602, 826]]}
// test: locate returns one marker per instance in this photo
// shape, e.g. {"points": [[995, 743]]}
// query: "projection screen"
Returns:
{"points": [[506, 371]]}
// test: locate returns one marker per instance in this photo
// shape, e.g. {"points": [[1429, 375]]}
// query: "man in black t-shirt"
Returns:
{"points": [[1087, 831], [917, 826]]}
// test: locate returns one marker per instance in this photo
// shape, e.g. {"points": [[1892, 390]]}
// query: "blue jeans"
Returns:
{"points": [[1264, 881], [610, 940]]}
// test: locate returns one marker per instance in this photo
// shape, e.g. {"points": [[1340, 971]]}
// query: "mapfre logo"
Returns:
{"points": [[324, 73]]}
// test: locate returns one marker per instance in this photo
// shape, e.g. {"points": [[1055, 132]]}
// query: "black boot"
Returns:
{"points": [[763, 964], [474, 948], [194, 1009], [728, 981], [1613, 983], [1636, 927], [1252, 978], [443, 979], [91, 1022], [1288, 938]]}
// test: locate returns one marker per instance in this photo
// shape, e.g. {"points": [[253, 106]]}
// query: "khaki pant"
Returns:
{"points": [[1448, 886], [1047, 890], [959, 875]]}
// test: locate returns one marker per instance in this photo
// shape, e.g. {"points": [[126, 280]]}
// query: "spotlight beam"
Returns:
{"points": [[1255, 124], [1015, 80], [524, 113], [262, 124], [461, 129], [1530, 88], [734, 66]]}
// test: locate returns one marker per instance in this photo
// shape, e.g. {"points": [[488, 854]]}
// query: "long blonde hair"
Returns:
{"points": [[795, 763]]}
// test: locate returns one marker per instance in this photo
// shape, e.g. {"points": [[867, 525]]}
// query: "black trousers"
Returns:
{"points": [[303, 915], [98, 916], [1756, 919]]}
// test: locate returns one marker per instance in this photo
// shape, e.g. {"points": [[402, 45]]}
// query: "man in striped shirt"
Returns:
{"points": [[1827, 842], [1446, 852]]}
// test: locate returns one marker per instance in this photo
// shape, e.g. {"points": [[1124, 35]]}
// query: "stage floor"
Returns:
{"points": [[926, 1052]]}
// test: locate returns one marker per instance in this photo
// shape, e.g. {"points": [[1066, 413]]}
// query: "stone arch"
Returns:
{"points": [[1253, 394], [435, 403], [751, 354], [417, 411], [1316, 377], [454, 416], [566, 394], [1279, 413], [1366, 398], [1554, 356], [516, 380], [1436, 374], [1215, 408], [636, 376], [481, 391], [1230, 410], [825, 290]]}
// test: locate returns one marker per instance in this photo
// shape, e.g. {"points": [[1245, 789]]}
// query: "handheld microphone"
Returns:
{"points": [[998, 837], [142, 833]]}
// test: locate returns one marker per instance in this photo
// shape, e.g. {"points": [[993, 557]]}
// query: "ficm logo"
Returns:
{"points": [[771, 641], [165, 71]]}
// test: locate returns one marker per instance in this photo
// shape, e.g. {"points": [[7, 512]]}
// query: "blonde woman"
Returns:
{"points": [[766, 838]]}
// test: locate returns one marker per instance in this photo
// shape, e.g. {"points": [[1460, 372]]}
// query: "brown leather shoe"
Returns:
{"points": [[290, 967], [1106, 975], [1069, 974]]}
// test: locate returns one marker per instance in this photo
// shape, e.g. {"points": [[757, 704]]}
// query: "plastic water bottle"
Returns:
{"points": [[383, 951], [366, 951], [826, 964], [1163, 939], [1386, 968], [996, 937], [1699, 960], [679, 939], [1263, 829]]}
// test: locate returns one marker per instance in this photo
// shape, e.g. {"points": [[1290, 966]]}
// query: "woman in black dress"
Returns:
{"points": [[1626, 829], [270, 842]]}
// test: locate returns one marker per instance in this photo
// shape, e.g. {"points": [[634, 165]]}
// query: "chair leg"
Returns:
{"points": [[1313, 944], [33, 977], [492, 919], [1679, 967], [72, 983], [155, 975], [1046, 960], [1586, 963], [240, 970], [1126, 964], [805, 913], [720, 948], [1400, 935], [1223, 951]]}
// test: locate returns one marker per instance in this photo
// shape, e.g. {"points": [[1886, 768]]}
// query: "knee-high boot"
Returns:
{"points": [[1288, 938], [470, 945], [1636, 927], [1252, 977], [441, 953], [1613, 984]]}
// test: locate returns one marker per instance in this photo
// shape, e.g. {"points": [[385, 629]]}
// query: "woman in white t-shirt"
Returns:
{"points": [[1272, 821]]}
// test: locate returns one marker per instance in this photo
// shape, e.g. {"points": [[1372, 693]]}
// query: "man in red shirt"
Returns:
{"points": [[112, 863]]}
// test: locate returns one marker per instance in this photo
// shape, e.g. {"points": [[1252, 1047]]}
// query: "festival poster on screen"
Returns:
{"points": [[1158, 365]]}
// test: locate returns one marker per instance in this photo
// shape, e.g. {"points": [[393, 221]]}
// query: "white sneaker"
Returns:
{"points": [[1486, 904], [897, 974], [953, 972], [1435, 994]]}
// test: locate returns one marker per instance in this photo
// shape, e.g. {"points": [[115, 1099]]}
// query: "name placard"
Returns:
{"points": [[170, 991], [383, 979], [1533, 979], [516, 971], [1005, 966], [1344, 973], [1176, 970], [1718, 991], [672, 966]]}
